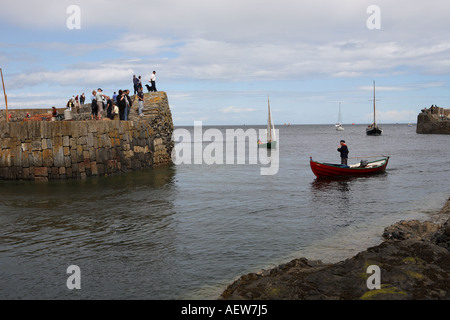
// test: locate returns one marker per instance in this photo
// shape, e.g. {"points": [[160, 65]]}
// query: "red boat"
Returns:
{"points": [[324, 170]]}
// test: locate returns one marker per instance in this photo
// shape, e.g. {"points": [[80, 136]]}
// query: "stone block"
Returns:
{"points": [[80, 153], [41, 172], [54, 172], [47, 157], [58, 156], [82, 141], [36, 145], [67, 151], [73, 143], [26, 173], [66, 141], [36, 159], [67, 162], [94, 168], [90, 139]]}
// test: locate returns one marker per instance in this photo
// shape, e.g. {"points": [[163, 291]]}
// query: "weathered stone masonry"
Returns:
{"points": [[49, 150]]}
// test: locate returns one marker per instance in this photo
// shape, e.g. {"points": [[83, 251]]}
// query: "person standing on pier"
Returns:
{"points": [[121, 103], [135, 84], [140, 96], [100, 105], [153, 82]]}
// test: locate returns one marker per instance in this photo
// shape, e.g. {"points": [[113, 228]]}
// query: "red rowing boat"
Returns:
{"points": [[323, 170]]}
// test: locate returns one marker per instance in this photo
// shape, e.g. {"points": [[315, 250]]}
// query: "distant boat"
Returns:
{"points": [[271, 136], [373, 129], [339, 126], [364, 168], [409, 123]]}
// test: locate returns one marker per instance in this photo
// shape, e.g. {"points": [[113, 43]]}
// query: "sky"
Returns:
{"points": [[219, 61]]}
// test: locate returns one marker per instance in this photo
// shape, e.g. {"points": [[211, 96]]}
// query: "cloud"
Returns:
{"points": [[404, 87], [73, 78], [390, 116], [232, 109], [248, 40], [207, 51]]}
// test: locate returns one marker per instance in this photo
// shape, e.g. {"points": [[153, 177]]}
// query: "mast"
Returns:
{"points": [[340, 116], [374, 109], [6, 99]]}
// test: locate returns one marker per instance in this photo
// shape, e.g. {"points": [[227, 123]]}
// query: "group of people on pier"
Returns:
{"points": [[118, 105]]}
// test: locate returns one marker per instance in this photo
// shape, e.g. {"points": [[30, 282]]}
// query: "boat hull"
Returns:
{"points": [[374, 132], [326, 170], [268, 145]]}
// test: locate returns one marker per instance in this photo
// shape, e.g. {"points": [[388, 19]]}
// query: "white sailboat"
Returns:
{"points": [[271, 135], [339, 126]]}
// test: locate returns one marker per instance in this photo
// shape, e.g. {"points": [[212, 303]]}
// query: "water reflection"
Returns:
{"points": [[323, 185], [118, 227]]}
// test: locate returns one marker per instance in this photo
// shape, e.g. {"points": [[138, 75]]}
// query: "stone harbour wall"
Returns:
{"points": [[50, 150], [432, 124]]}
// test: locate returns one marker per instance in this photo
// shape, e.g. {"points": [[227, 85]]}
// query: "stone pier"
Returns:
{"points": [[82, 148]]}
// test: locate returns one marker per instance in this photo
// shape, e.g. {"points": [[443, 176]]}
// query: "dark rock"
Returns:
{"points": [[413, 229], [414, 263]]}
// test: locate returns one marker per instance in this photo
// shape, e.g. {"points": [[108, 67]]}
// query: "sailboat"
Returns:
{"points": [[339, 126], [373, 129], [271, 136]]}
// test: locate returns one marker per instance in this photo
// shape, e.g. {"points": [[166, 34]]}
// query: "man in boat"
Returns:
{"points": [[343, 149]]}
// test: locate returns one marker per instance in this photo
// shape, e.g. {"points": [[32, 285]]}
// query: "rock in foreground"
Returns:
{"points": [[414, 261]]}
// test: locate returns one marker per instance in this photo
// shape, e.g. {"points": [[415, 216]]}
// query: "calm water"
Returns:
{"points": [[187, 231]]}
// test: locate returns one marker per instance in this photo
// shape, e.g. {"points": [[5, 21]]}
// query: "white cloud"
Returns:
{"points": [[205, 48], [94, 77], [232, 109], [394, 116]]}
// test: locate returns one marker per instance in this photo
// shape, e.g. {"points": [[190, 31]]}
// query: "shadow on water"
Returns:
{"points": [[33, 194]]}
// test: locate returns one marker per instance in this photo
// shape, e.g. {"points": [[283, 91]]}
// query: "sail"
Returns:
{"points": [[270, 127]]}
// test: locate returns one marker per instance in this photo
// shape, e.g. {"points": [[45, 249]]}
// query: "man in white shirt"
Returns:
{"points": [[153, 82]]}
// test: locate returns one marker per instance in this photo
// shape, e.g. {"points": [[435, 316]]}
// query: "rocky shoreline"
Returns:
{"points": [[413, 259]]}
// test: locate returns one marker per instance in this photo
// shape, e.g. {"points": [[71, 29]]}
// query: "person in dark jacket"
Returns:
{"points": [[121, 104], [343, 149]]}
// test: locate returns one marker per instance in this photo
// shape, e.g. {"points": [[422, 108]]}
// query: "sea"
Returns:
{"points": [[187, 230]]}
